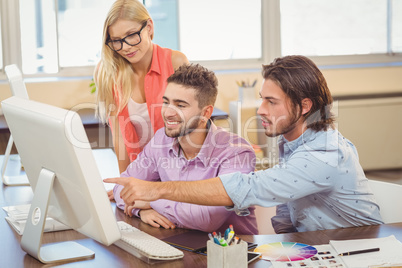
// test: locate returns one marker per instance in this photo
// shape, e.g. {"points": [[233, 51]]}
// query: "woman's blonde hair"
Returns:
{"points": [[113, 75]]}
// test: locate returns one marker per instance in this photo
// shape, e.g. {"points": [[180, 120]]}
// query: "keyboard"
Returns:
{"points": [[145, 246]]}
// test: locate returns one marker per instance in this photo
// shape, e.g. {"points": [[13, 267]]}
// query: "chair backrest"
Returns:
{"points": [[389, 198], [17, 84]]}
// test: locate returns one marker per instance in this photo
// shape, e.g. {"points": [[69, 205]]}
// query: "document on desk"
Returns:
{"points": [[326, 257], [17, 217], [390, 252], [388, 255]]}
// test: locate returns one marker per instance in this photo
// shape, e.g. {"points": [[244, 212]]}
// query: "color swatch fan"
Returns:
{"points": [[286, 251]]}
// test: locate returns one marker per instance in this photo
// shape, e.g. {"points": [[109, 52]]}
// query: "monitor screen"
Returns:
{"points": [[63, 174]]}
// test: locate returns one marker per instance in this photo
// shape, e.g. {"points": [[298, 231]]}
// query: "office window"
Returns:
{"points": [[396, 35], [70, 37], [63, 37], [67, 33], [38, 36], [166, 22], [220, 30], [209, 29], [80, 26], [327, 27]]}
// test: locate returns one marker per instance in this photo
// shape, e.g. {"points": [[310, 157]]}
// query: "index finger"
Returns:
{"points": [[118, 180]]}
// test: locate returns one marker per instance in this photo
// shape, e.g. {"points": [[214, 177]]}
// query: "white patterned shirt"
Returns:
{"points": [[318, 184]]}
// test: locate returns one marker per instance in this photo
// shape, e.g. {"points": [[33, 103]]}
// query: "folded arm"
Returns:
{"points": [[191, 216]]}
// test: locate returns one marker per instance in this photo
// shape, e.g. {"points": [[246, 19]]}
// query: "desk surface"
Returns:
{"points": [[112, 256]]}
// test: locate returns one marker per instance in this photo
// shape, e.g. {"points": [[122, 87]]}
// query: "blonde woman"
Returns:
{"points": [[131, 78]]}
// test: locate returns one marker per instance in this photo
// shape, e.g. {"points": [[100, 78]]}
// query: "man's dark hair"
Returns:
{"points": [[300, 78], [202, 80]]}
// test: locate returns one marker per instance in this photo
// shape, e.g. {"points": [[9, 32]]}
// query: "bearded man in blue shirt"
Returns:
{"points": [[318, 183]]}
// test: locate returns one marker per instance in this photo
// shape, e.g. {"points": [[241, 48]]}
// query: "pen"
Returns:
{"points": [[227, 233], [223, 242], [231, 240], [210, 237], [359, 251], [230, 235], [215, 238]]}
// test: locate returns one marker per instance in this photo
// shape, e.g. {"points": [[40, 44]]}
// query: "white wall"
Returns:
{"points": [[340, 81], [65, 94]]}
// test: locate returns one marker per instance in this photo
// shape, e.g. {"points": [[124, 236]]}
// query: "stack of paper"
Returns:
{"points": [[17, 217], [390, 252]]}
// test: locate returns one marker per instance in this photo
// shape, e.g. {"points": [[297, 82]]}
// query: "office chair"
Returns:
{"points": [[18, 88], [389, 198]]}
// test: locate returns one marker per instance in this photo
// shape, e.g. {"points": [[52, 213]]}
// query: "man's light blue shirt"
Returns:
{"points": [[318, 184]]}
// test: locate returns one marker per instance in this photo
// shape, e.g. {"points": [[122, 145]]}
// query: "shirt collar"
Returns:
{"points": [[175, 148], [155, 66], [207, 148], [307, 136]]}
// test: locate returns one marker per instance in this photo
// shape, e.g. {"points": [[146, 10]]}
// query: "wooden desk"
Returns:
{"points": [[112, 256]]}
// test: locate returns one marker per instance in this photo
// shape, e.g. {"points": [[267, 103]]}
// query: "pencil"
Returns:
{"points": [[359, 251]]}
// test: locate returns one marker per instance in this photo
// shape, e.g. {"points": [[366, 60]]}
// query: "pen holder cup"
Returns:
{"points": [[226, 257], [247, 96]]}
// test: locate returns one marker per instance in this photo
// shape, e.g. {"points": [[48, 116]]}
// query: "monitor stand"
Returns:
{"points": [[31, 241], [18, 180]]}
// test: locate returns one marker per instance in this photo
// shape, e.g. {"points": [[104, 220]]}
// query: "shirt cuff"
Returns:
{"points": [[237, 191], [162, 206], [136, 212], [239, 212], [116, 195]]}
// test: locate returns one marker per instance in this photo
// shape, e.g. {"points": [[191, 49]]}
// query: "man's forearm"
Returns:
{"points": [[206, 192]]}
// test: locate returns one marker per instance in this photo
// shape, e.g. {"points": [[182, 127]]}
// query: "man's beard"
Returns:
{"points": [[184, 130], [287, 127]]}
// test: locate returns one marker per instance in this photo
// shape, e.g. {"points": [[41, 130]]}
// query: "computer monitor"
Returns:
{"points": [[63, 174]]}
